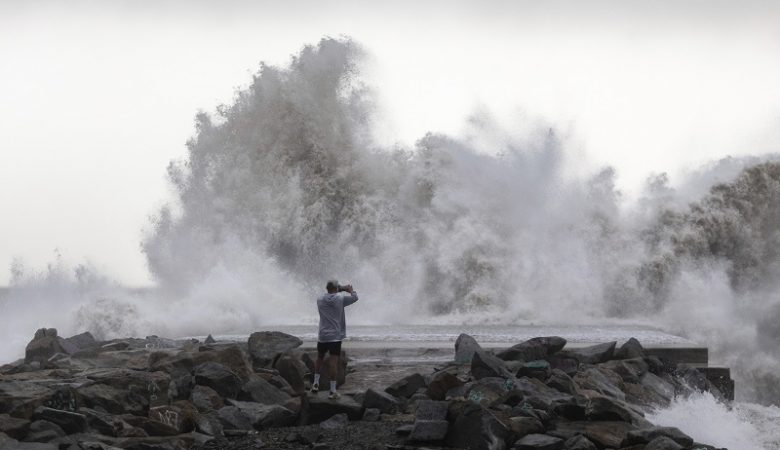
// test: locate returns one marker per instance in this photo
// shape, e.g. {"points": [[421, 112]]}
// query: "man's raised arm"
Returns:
{"points": [[353, 297]]}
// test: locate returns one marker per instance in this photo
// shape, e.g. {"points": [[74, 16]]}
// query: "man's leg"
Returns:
{"points": [[333, 365], [318, 367]]}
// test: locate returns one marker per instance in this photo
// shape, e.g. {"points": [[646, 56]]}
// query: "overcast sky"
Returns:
{"points": [[97, 97]]}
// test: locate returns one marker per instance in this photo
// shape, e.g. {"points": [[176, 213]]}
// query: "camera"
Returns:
{"points": [[344, 288]]}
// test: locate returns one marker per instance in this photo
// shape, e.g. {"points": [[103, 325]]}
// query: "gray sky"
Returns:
{"points": [[98, 96]]}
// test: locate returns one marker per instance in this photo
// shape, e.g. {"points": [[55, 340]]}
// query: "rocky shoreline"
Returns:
{"points": [[78, 393]]}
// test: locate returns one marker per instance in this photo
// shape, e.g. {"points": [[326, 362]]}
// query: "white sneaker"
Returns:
{"points": [[315, 388], [334, 396]]}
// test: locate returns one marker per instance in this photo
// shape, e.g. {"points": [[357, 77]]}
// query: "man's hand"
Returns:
{"points": [[349, 289]]}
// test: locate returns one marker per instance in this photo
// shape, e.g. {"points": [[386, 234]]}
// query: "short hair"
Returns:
{"points": [[332, 285]]}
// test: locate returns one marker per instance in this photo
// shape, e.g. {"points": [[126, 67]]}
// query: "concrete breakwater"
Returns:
{"points": [[78, 393]]}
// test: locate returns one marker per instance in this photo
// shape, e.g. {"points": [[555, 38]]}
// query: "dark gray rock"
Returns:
{"points": [[371, 415], [261, 391], [209, 424], [46, 344], [293, 370], [404, 430], [265, 346], [14, 427], [630, 370], [83, 341], [538, 442], [101, 422], [206, 399], [407, 386], [663, 443], [28, 446], [521, 426], [71, 422], [595, 354], [232, 418], [658, 386], [603, 433], [569, 366], [441, 382], [319, 408], [488, 391], [44, 431], [630, 349], [646, 435], [382, 401], [476, 428], [484, 365], [541, 396], [562, 382], [265, 416], [218, 377], [579, 442], [335, 422], [602, 381], [431, 410], [539, 369], [604, 408], [533, 349], [210, 340], [465, 347], [428, 430]]}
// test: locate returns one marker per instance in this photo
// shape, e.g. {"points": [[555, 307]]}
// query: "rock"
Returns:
{"points": [[646, 435], [603, 408], [233, 418], [71, 422], [265, 416], [431, 410], [209, 424], [476, 428], [407, 386], [101, 422], [115, 346], [335, 422], [484, 365], [488, 391], [219, 378], [206, 399], [319, 408], [522, 426], [579, 442], [382, 401], [46, 344], [539, 395], [539, 442], [14, 427], [658, 386], [428, 430], [83, 341], [630, 349], [603, 434], [603, 381], [595, 354], [404, 430], [533, 349], [562, 382], [149, 426], [44, 431], [569, 366], [465, 347], [441, 382], [264, 346], [261, 391], [293, 370], [539, 369], [210, 340], [28, 446], [371, 415], [663, 443], [629, 369], [182, 417]]}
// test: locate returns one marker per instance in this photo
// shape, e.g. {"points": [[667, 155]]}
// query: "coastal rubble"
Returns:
{"points": [[160, 394]]}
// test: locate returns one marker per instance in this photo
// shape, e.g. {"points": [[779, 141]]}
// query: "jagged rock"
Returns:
{"points": [[265, 346], [44, 431], [487, 391], [539, 369], [431, 410], [71, 422], [441, 382], [206, 399], [485, 365], [538, 442], [209, 424], [232, 418], [465, 347], [210, 340], [562, 382], [404, 430], [579, 442], [631, 370], [99, 421], [125, 391], [539, 395], [13, 445], [115, 346], [293, 370], [407, 386], [646, 435], [261, 391], [604, 408], [14, 427], [382, 401], [567, 365], [595, 354], [149, 426], [630, 349], [663, 443], [265, 416], [320, 408], [371, 415], [603, 381], [428, 430], [219, 378], [533, 349], [335, 422], [476, 428], [46, 344], [182, 416], [522, 426], [658, 386], [603, 434]]}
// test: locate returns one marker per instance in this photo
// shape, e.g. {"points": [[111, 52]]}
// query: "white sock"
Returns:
{"points": [[316, 378], [333, 386]]}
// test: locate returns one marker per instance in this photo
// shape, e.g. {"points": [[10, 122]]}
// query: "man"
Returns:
{"points": [[333, 329]]}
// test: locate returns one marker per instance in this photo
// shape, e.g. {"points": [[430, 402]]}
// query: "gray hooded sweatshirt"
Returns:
{"points": [[333, 324]]}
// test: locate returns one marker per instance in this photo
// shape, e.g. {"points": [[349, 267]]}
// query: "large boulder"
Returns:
{"points": [[261, 391], [46, 344], [604, 434], [562, 382], [319, 408], [602, 381], [265, 416], [69, 421], [293, 370], [440, 382], [594, 354], [658, 386], [20, 398], [476, 428], [465, 347], [630, 349], [265, 346], [218, 377], [431, 410], [538, 442], [44, 431], [630, 370], [125, 391], [647, 435], [663, 443], [533, 349], [429, 430], [605, 408], [407, 386], [206, 399], [382, 401], [483, 365], [14, 427], [579, 442], [540, 396]]}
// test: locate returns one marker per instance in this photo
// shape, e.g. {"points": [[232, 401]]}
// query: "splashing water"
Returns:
{"points": [[286, 188]]}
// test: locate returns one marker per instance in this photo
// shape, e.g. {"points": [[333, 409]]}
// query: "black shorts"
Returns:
{"points": [[334, 348]]}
